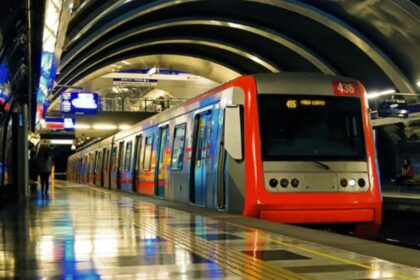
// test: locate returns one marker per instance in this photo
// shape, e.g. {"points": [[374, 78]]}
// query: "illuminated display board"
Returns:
{"points": [[59, 123], [49, 61], [79, 103], [54, 123], [4, 87], [293, 103]]}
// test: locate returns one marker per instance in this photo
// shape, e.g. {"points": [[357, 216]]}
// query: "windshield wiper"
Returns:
{"points": [[322, 164]]}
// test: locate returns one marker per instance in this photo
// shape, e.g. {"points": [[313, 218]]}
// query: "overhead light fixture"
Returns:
{"points": [[61, 142], [82, 126], [105, 126], [124, 126], [381, 93], [152, 71], [418, 83], [73, 147]]}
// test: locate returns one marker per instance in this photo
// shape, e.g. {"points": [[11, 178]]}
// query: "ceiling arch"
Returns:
{"points": [[268, 34], [249, 36], [200, 67]]}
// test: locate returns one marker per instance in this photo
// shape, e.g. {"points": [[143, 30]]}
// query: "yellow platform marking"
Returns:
{"points": [[231, 260], [325, 255]]}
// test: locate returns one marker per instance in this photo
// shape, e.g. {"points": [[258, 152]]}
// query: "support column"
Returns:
{"points": [[21, 142]]}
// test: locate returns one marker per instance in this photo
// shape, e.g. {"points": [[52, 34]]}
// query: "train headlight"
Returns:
{"points": [[352, 182], [284, 182], [343, 182], [273, 183], [294, 182], [361, 182]]}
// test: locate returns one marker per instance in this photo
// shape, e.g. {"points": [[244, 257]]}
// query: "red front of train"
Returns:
{"points": [[309, 152]]}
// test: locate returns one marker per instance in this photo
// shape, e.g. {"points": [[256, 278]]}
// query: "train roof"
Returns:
{"points": [[295, 83]]}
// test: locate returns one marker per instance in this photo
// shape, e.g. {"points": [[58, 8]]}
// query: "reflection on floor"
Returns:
{"points": [[86, 233]]}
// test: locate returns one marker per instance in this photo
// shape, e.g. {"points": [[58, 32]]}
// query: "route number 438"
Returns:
{"points": [[345, 88]]}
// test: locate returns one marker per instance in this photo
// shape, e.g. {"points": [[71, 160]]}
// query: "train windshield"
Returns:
{"points": [[298, 127]]}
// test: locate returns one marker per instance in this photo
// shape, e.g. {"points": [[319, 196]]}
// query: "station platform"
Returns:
{"points": [[79, 232], [408, 201]]}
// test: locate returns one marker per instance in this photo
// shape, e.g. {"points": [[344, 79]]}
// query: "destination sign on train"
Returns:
{"points": [[293, 103]]}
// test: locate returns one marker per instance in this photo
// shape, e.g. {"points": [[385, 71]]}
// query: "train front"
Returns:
{"points": [[317, 153]]}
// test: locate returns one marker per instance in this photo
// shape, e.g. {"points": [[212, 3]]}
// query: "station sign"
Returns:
{"points": [[135, 82], [79, 103]]}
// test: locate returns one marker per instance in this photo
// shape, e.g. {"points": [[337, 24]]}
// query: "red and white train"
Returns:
{"points": [[289, 147]]}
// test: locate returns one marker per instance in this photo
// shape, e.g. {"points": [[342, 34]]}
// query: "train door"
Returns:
{"points": [[199, 161], [147, 173], [107, 168], [98, 169], [86, 170], [126, 169], [119, 164], [161, 170], [113, 169], [79, 170], [136, 164], [103, 166], [82, 168], [92, 169]]}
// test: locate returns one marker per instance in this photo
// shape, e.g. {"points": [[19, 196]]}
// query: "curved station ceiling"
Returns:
{"points": [[374, 41]]}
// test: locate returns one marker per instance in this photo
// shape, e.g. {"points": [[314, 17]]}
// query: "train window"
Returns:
{"points": [[178, 147], [148, 153], [127, 158], [201, 144], [85, 165], [106, 159], [91, 162], [99, 162], [95, 157], [114, 158], [307, 127]]}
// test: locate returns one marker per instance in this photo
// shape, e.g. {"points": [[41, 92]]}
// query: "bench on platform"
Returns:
{"points": [[411, 184]]}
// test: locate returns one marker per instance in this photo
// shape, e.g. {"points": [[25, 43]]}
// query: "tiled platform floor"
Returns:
{"points": [[88, 233]]}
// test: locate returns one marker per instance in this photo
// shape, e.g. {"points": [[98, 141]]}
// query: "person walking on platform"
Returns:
{"points": [[44, 168], [407, 173]]}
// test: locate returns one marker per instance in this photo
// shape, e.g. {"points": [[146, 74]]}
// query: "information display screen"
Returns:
{"points": [[79, 103]]}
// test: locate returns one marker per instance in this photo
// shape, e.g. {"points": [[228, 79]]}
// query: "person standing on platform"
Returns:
{"points": [[44, 168]]}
